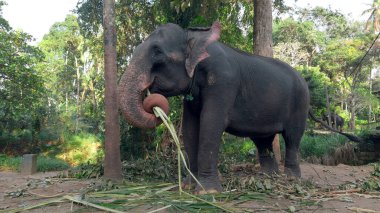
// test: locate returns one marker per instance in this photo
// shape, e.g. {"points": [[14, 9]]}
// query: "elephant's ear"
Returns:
{"points": [[197, 41]]}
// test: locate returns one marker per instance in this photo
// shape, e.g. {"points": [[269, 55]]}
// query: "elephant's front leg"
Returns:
{"points": [[190, 131], [212, 124]]}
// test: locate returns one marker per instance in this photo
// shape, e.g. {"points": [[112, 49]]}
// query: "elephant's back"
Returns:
{"points": [[271, 95]]}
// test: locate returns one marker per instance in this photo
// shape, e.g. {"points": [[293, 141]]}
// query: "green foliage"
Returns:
{"points": [[339, 55], [334, 23], [87, 171], [239, 148], [320, 145], [44, 164], [290, 30], [63, 47], [16, 142], [237, 24], [373, 183], [252, 183], [81, 148], [317, 82], [376, 170], [157, 166], [136, 143], [21, 84], [8, 163], [235, 150]]}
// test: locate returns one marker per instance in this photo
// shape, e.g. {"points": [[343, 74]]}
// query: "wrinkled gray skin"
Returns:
{"points": [[233, 91], [334, 117]]}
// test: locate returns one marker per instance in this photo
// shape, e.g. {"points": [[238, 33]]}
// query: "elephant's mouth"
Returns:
{"points": [[157, 87]]}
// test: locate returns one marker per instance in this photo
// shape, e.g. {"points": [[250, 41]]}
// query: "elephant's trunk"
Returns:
{"points": [[131, 91]]}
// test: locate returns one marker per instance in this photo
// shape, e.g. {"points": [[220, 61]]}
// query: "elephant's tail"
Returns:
{"points": [[349, 136]]}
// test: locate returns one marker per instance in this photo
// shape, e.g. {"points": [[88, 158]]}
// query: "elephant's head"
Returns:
{"points": [[164, 63]]}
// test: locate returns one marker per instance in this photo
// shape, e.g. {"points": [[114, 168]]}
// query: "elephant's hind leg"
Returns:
{"points": [[292, 141], [267, 159]]}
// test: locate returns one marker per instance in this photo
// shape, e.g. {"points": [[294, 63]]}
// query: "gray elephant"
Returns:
{"points": [[226, 89], [334, 118]]}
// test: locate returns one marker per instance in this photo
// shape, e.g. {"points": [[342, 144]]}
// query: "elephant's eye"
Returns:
{"points": [[157, 50], [158, 55]]}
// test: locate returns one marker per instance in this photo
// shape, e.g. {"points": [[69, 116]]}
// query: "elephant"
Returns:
{"points": [[225, 90], [334, 118]]}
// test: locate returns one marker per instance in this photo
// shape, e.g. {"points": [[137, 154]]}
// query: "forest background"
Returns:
{"points": [[52, 94]]}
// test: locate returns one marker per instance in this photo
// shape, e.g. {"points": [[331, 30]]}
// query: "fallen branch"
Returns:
{"points": [[46, 196], [367, 196], [38, 205], [349, 191], [355, 209]]}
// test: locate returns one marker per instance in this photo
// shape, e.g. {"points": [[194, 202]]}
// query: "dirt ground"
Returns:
{"points": [[17, 191]]}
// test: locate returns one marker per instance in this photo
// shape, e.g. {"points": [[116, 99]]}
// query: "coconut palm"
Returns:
{"points": [[374, 19]]}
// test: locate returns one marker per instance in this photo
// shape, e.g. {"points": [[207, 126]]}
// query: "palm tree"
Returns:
{"points": [[374, 19]]}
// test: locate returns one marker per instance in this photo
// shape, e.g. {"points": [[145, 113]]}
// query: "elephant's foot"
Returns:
{"points": [[268, 165], [188, 183], [209, 186], [293, 171]]}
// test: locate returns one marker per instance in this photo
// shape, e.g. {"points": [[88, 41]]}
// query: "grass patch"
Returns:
{"points": [[243, 149], [44, 164], [320, 144], [239, 148], [81, 149], [8, 163]]}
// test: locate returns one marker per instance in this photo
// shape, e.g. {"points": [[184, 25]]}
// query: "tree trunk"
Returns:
{"points": [[370, 104], [66, 102], [66, 89], [78, 95], [328, 107], [94, 102], [262, 45], [262, 28], [112, 162], [353, 113]]}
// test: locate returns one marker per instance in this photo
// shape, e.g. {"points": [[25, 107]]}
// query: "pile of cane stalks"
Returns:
{"points": [[169, 197]]}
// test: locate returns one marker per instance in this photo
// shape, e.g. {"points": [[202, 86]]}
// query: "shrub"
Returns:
{"points": [[241, 149], [16, 142], [156, 166], [8, 163], [80, 149], [237, 147], [44, 164], [319, 145]]}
